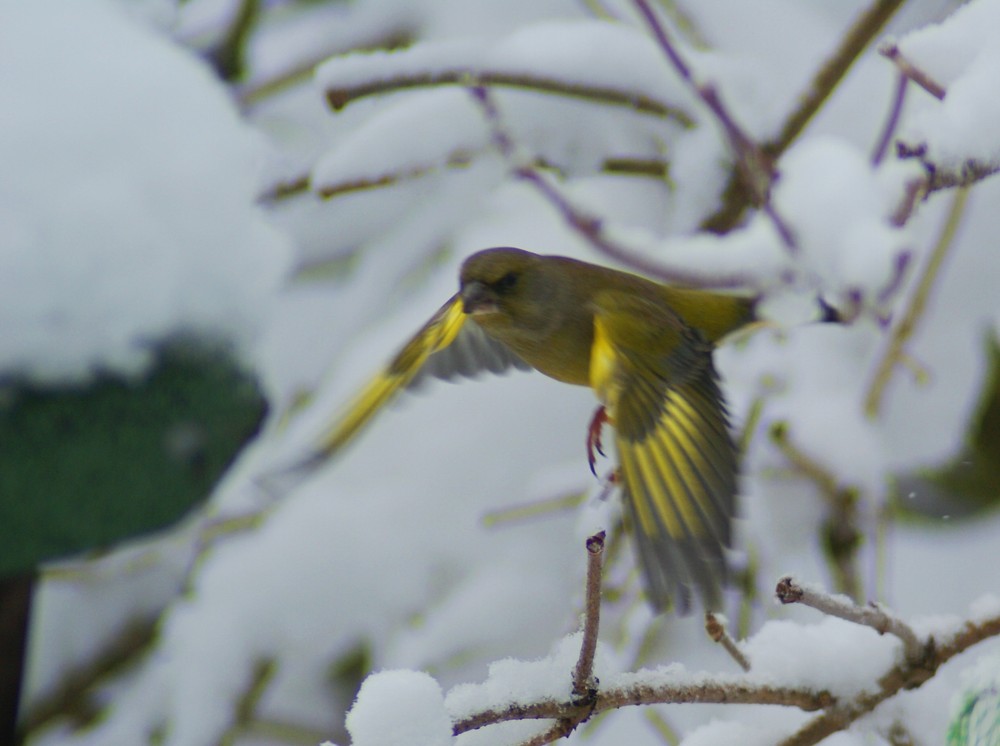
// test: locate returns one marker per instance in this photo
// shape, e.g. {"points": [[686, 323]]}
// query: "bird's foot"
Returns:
{"points": [[594, 437]]}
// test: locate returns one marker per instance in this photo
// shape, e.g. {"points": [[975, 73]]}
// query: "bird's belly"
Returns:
{"points": [[574, 374]]}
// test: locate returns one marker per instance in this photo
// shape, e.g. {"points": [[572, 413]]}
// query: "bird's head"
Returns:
{"points": [[502, 285]]}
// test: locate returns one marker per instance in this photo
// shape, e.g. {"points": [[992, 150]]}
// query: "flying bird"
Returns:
{"points": [[646, 351]]}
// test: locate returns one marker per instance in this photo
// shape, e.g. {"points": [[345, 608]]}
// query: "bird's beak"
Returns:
{"points": [[477, 299]]}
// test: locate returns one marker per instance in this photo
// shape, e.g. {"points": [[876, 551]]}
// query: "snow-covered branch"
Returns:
{"points": [[918, 656]]}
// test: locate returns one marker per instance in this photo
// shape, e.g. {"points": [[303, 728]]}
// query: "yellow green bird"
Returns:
{"points": [[646, 351]]}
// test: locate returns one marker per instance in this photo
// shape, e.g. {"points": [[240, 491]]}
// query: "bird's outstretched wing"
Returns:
{"points": [[448, 345], [677, 457]]}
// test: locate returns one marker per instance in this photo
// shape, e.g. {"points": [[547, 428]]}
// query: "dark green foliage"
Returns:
{"points": [[83, 467]]}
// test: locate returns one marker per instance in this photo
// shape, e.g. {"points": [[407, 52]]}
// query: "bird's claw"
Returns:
{"points": [[594, 437]]}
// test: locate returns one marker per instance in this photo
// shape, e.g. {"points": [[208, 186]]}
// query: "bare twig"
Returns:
{"points": [[718, 632], [535, 509], [641, 167], [611, 698], [916, 189], [912, 72], [301, 72], [291, 187], [584, 684], [640, 102], [76, 696], [873, 615], [560, 729], [969, 173], [456, 159], [901, 264], [908, 323], [228, 55], [246, 707], [891, 121]]}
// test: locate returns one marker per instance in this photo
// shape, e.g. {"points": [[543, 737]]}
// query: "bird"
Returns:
{"points": [[645, 349]]}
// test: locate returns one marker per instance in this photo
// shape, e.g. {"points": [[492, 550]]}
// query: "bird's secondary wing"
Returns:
{"points": [[678, 460], [445, 347]]}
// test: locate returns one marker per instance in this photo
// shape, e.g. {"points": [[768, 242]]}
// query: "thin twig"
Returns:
{"points": [[458, 158], [339, 97], [228, 56], [75, 697], [291, 187], [246, 706], [560, 729], [655, 168], [916, 189], [303, 70], [718, 632], [542, 508], [892, 120], [873, 615], [612, 698], [969, 173], [584, 684], [908, 323], [912, 72]]}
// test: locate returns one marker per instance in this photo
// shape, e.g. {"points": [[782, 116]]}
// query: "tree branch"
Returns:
{"points": [[908, 674], [922, 657], [891, 121], [868, 25], [584, 684], [873, 615], [718, 632], [911, 72], [338, 98], [753, 165], [736, 198], [908, 323]]}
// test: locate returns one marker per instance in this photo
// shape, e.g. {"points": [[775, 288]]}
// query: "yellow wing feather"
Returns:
{"points": [[678, 461], [435, 335]]}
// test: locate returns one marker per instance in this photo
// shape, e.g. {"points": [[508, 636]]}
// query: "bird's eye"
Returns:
{"points": [[506, 283]]}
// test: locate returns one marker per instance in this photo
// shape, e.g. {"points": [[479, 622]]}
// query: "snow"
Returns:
{"points": [[512, 681], [399, 707], [811, 656], [838, 211], [960, 53], [985, 607], [747, 734], [593, 53], [793, 654], [127, 210], [406, 137], [120, 230], [378, 150], [946, 48]]}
